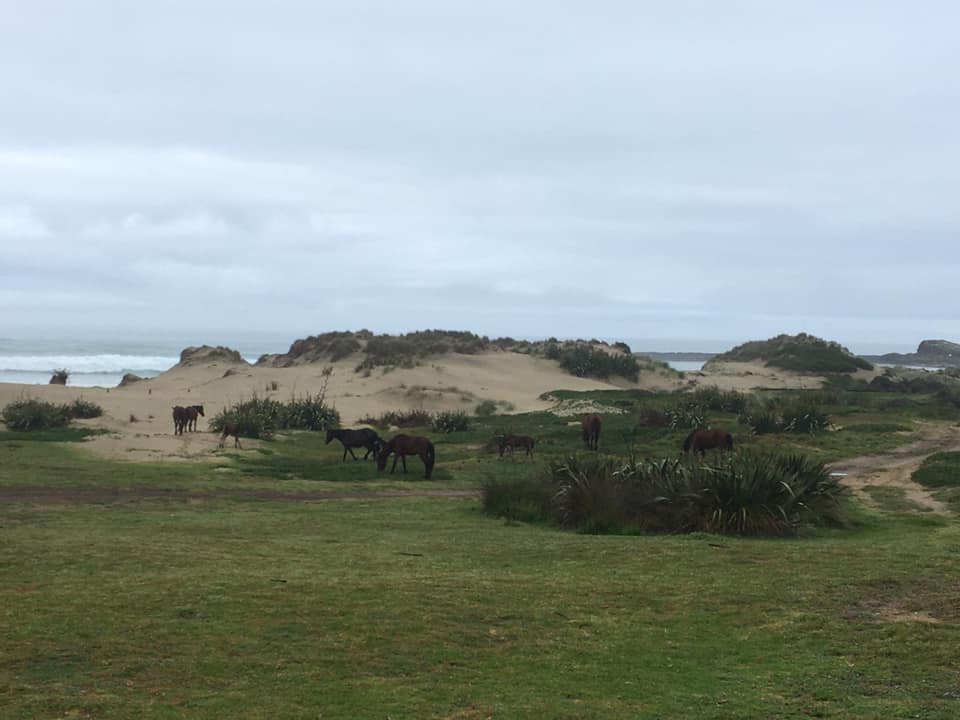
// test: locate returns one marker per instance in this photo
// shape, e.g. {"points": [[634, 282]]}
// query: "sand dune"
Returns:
{"points": [[139, 415]]}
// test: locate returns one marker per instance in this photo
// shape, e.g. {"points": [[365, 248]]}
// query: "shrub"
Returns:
{"points": [[23, 415], [742, 494], [713, 398], [485, 408], [263, 417], [448, 422], [399, 418], [84, 409], [685, 417], [585, 361], [309, 412], [802, 415]]}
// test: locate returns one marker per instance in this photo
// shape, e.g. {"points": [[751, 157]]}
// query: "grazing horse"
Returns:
{"points": [[699, 441], [591, 431], [364, 437], [193, 412], [401, 446], [515, 441], [180, 419], [231, 429]]}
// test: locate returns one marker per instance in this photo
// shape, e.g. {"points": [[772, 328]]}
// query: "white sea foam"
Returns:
{"points": [[105, 363]]}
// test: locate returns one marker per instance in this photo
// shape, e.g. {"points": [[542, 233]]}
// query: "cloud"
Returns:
{"points": [[617, 169]]}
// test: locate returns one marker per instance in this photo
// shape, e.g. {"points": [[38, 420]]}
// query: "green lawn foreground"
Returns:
{"points": [[222, 605]]}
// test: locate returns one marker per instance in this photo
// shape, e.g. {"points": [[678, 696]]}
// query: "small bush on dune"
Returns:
{"points": [[485, 408], [28, 415], [399, 418], [263, 417], [309, 412], [84, 409]]}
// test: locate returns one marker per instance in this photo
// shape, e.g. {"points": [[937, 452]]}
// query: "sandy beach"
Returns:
{"points": [[138, 415]]}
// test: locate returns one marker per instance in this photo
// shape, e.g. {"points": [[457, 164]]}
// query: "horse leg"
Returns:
{"points": [[394, 466], [351, 453], [403, 459]]}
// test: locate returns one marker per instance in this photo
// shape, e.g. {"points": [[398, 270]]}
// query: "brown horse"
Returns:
{"points": [[179, 419], [515, 441], [363, 437], [401, 446], [591, 430], [193, 412], [228, 430], [699, 441]]}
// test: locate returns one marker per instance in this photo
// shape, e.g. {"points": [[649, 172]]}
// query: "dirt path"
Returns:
{"points": [[896, 467], [73, 495]]}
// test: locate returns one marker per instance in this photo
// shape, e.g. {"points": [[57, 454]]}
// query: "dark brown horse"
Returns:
{"points": [[401, 446], [515, 441], [591, 430], [179, 419], [228, 430], [363, 437], [699, 441], [193, 411]]}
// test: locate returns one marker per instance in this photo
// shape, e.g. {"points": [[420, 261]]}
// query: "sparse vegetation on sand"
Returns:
{"points": [[799, 353], [584, 358], [30, 414]]}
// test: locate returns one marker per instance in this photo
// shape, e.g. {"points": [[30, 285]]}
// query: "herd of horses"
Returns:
{"points": [[400, 446], [185, 418]]}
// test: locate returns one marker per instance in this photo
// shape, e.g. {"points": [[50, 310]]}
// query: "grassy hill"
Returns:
{"points": [[800, 353]]}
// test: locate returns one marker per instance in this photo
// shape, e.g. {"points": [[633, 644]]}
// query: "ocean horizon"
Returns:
{"points": [[102, 362]]}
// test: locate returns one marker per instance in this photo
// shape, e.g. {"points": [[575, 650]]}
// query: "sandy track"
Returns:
{"points": [[896, 467]]}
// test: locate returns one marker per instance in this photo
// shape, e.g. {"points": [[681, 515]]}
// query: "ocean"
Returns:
{"points": [[101, 363]]}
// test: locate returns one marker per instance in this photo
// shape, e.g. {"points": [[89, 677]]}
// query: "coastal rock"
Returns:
{"points": [[208, 354], [129, 379], [930, 353]]}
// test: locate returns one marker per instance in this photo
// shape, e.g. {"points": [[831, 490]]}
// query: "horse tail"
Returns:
{"points": [[729, 441], [689, 441], [429, 458]]}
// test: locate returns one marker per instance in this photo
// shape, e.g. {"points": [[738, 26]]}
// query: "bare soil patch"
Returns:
{"points": [[896, 467]]}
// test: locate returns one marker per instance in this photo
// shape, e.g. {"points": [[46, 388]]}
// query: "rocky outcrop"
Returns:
{"points": [[206, 354], [129, 379], [930, 353]]}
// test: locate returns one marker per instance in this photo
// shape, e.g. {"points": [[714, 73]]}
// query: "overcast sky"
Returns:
{"points": [[674, 169]]}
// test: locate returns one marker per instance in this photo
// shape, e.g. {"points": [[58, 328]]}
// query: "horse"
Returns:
{"points": [[401, 446], [364, 437], [193, 412], [515, 441], [701, 440], [591, 430], [180, 419], [231, 429]]}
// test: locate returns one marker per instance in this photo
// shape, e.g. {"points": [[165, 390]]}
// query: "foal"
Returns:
{"points": [[231, 429], [515, 441]]}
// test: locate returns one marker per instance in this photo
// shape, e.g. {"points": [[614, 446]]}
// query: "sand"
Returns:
{"points": [[139, 418]]}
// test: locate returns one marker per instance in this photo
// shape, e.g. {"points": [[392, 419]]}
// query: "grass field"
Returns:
{"points": [[216, 590]]}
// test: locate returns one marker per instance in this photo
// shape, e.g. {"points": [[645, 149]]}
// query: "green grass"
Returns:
{"points": [[219, 604]]}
